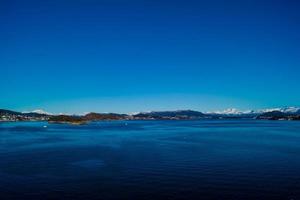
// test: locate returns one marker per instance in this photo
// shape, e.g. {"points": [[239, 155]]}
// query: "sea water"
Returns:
{"points": [[205, 159]]}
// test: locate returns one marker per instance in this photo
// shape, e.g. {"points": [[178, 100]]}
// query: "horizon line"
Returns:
{"points": [[222, 111]]}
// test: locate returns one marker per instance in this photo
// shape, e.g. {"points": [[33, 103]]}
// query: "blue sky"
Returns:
{"points": [[126, 56]]}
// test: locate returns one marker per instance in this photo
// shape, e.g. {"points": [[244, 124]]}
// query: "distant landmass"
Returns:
{"points": [[278, 115], [8, 115], [288, 113]]}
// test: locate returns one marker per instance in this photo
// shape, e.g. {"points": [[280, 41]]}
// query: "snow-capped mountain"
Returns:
{"points": [[38, 111], [284, 110], [234, 111], [228, 111]]}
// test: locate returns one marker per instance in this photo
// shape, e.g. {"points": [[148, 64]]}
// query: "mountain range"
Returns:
{"points": [[287, 113], [233, 111]]}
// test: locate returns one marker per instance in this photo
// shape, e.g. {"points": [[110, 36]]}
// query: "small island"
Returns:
{"points": [[79, 120], [61, 119]]}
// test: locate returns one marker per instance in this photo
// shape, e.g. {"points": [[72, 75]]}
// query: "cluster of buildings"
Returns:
{"points": [[22, 117]]}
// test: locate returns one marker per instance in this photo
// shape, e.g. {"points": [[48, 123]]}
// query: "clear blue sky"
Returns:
{"points": [[125, 56]]}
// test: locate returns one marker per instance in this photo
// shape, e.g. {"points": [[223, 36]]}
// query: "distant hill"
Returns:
{"points": [[72, 119], [181, 114], [29, 114], [104, 116], [272, 115], [9, 112], [67, 119], [279, 115]]}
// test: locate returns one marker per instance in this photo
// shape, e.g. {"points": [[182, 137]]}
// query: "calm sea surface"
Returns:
{"points": [[218, 160]]}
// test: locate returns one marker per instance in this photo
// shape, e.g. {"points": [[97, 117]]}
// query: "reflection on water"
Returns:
{"points": [[226, 159]]}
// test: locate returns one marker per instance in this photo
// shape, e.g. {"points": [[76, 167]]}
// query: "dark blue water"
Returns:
{"points": [[218, 160]]}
